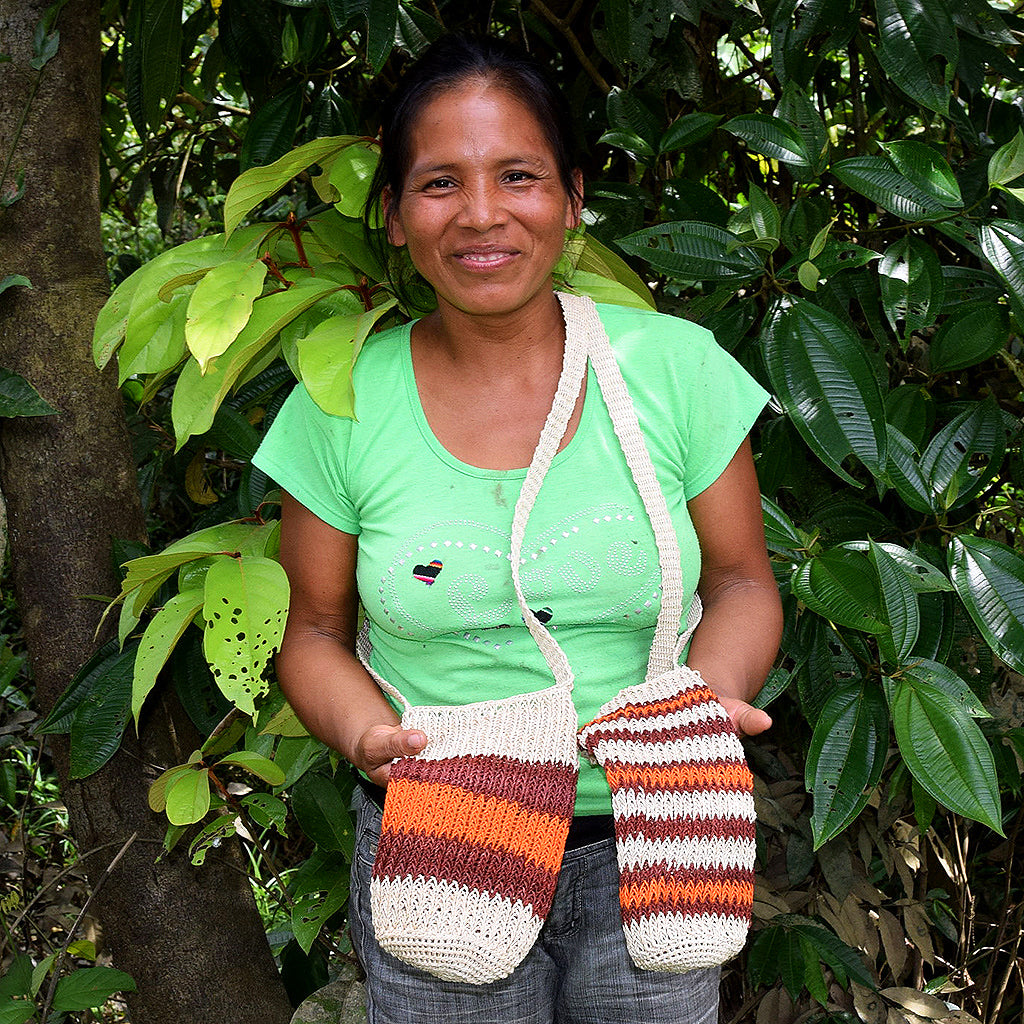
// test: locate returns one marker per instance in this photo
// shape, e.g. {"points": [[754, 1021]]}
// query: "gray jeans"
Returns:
{"points": [[578, 972]]}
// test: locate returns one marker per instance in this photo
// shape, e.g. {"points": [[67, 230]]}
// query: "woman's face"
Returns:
{"points": [[483, 209]]}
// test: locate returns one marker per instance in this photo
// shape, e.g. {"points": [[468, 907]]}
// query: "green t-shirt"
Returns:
{"points": [[433, 570]]}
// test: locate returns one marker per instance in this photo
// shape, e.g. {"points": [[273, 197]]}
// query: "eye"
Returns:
{"points": [[517, 176], [439, 184]]}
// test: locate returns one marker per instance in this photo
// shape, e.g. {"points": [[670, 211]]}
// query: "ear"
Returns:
{"points": [[574, 211], [392, 224]]}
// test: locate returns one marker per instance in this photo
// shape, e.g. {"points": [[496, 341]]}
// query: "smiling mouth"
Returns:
{"points": [[485, 259]]}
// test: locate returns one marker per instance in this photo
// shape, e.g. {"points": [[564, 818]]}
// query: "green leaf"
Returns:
{"points": [[694, 251], [262, 767], [904, 472], [842, 586], [321, 810], [846, 757], [686, 130], [350, 174], [910, 278], [927, 169], [259, 183], [188, 797], [808, 275], [19, 398], [923, 576], [594, 260], [901, 609], [221, 306], [945, 751], [63, 711], [382, 21], [989, 578], [14, 281], [796, 109], [1002, 242], [152, 60], [973, 332], [772, 137], [312, 910], [100, 718], [912, 35], [197, 396], [942, 677], [1007, 162], [163, 632], [822, 377], [245, 605], [876, 178], [964, 456], [210, 836], [764, 215], [328, 353], [89, 988], [781, 534], [271, 130]]}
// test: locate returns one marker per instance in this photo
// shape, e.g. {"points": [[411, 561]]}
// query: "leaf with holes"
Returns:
{"points": [[846, 757], [245, 604], [942, 677], [964, 456], [910, 278], [774, 138], [312, 909], [989, 577], [923, 576]]}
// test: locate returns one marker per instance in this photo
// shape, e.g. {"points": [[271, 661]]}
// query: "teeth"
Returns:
{"points": [[491, 257]]}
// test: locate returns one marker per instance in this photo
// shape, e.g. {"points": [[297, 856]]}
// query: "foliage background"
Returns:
{"points": [[832, 186]]}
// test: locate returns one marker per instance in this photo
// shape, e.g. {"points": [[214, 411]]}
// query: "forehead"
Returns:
{"points": [[476, 116]]}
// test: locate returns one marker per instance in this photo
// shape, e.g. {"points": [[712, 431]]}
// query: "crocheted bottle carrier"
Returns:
{"points": [[682, 794], [474, 827]]}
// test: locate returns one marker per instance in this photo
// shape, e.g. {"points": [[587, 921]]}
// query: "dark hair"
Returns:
{"points": [[446, 64]]}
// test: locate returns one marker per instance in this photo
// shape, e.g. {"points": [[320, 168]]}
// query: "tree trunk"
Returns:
{"points": [[190, 937]]}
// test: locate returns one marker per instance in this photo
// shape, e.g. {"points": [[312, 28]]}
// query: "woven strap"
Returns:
{"points": [[585, 337]]}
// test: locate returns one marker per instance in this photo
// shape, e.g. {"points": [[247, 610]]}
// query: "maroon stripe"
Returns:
{"points": [[473, 865], [731, 908], [635, 826], [538, 786], [712, 729]]}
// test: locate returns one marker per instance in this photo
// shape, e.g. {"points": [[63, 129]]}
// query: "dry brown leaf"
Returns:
{"points": [[921, 1003], [894, 941], [775, 1008], [869, 1005], [918, 927]]}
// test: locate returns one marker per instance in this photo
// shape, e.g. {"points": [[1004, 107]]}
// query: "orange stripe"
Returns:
{"points": [[662, 894], [448, 811], [676, 776], [688, 698]]}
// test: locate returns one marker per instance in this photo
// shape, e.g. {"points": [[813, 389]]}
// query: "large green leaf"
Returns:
{"points": [[162, 633], [945, 750], [803, 31], [245, 606], [1002, 242], [694, 251], [686, 130], [88, 988], [321, 809], [842, 586], [903, 471], [926, 168], [964, 456], [876, 178], [350, 175], [912, 287], [824, 380], [328, 353], [773, 138], [942, 677], [220, 306], [974, 331], [313, 909], [846, 757], [381, 23], [594, 263], [796, 109], [272, 127], [781, 535], [188, 796], [1007, 163], [901, 609], [923, 576], [100, 718], [259, 183], [197, 396], [912, 35], [152, 60], [989, 577]]}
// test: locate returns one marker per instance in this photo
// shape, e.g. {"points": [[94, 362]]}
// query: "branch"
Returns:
{"points": [[563, 26]]}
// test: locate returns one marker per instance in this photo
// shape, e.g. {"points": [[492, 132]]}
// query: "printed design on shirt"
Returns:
{"points": [[596, 564], [429, 572]]}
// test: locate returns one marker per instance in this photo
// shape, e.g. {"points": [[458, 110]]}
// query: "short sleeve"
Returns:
{"points": [[722, 404], [305, 451]]}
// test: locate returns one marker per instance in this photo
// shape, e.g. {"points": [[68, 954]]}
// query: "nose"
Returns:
{"points": [[483, 208]]}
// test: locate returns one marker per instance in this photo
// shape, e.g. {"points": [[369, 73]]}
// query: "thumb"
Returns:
{"points": [[750, 721]]}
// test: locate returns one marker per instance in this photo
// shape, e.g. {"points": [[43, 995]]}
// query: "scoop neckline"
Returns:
{"points": [[445, 456]]}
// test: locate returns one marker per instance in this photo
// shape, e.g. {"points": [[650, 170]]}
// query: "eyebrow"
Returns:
{"points": [[509, 161]]}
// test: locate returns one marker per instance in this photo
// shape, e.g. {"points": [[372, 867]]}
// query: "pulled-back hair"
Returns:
{"points": [[446, 64]]}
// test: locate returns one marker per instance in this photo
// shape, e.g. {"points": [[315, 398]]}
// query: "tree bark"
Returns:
{"points": [[190, 937]]}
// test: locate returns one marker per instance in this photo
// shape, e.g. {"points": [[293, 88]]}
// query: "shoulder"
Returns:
{"points": [[652, 335]]}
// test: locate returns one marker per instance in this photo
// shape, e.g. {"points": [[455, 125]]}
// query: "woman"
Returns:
{"points": [[408, 509]]}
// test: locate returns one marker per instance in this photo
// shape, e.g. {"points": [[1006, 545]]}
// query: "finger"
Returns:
{"points": [[750, 721], [385, 744]]}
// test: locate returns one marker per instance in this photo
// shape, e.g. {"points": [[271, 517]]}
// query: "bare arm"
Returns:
{"points": [[738, 637], [332, 694]]}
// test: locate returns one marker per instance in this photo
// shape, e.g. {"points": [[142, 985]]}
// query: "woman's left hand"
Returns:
{"points": [[747, 720]]}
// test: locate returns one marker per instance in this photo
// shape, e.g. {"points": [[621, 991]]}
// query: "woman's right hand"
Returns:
{"points": [[379, 745]]}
